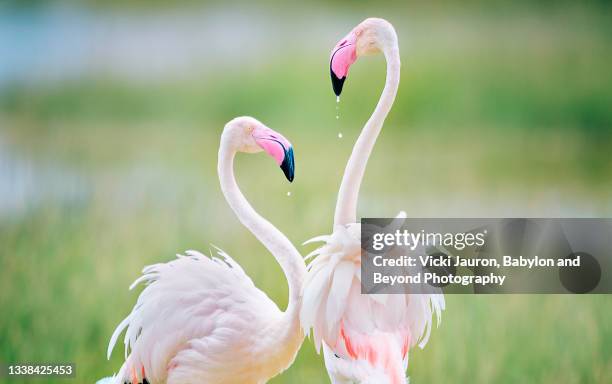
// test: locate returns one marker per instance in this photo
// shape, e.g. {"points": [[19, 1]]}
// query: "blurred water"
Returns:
{"points": [[61, 42], [26, 184]]}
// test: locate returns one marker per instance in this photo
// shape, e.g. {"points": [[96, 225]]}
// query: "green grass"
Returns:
{"points": [[503, 114]]}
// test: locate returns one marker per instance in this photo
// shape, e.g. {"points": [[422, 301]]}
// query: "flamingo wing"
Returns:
{"points": [[194, 316]]}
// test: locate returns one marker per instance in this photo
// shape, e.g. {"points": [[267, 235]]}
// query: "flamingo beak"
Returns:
{"points": [[288, 165], [275, 145], [342, 56]]}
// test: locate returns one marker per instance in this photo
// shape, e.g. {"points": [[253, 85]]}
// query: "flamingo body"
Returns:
{"points": [[363, 336], [191, 310]]}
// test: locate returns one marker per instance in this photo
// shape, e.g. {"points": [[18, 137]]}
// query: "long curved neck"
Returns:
{"points": [[346, 206], [277, 243]]}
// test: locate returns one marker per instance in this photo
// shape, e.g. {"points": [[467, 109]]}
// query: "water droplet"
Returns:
{"points": [[337, 107], [339, 135], [289, 193]]}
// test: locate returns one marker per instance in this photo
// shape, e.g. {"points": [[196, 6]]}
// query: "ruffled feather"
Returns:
{"points": [[332, 293]]}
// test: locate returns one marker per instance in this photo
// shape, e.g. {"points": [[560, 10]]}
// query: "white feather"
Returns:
{"points": [[190, 309], [333, 296]]}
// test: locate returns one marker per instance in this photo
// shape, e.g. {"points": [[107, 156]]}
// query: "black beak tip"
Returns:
{"points": [[337, 83], [288, 165]]}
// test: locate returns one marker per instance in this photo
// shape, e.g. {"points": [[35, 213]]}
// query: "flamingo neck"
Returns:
{"points": [[346, 206], [274, 240]]}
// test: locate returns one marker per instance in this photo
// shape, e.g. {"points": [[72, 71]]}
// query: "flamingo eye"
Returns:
{"points": [[335, 354]]}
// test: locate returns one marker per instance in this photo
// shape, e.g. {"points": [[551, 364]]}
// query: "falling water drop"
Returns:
{"points": [[289, 193], [337, 107], [339, 135]]}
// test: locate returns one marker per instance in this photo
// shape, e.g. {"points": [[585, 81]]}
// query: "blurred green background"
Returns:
{"points": [[110, 117]]}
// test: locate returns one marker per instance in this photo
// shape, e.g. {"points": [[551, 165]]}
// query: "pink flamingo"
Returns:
{"points": [[365, 338], [201, 319]]}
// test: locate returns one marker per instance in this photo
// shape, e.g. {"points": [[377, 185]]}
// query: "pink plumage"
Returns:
{"points": [[365, 338]]}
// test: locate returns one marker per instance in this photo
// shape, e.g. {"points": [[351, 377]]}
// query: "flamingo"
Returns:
{"points": [[201, 319], [365, 338]]}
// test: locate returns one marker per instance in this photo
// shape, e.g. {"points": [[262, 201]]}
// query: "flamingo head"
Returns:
{"points": [[251, 136], [370, 37]]}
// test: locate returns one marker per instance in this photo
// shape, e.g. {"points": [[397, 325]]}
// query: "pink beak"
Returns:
{"points": [[278, 147], [342, 56]]}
